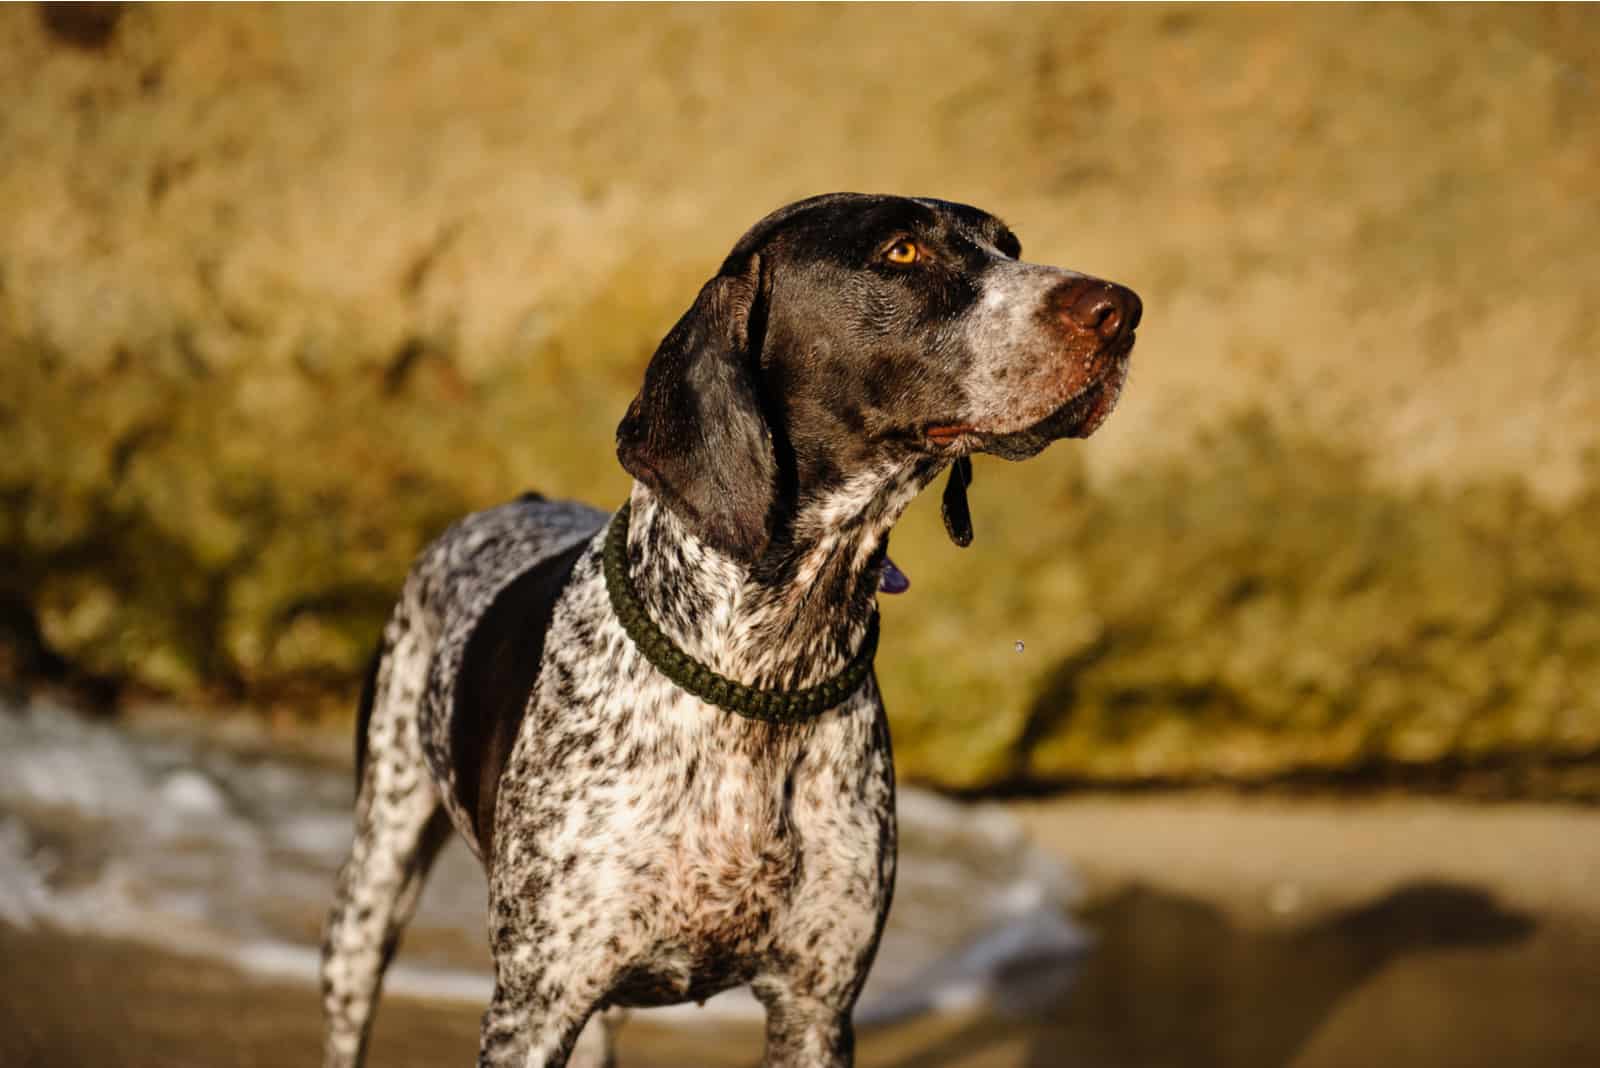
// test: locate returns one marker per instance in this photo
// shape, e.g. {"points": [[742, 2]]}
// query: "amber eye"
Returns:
{"points": [[903, 253]]}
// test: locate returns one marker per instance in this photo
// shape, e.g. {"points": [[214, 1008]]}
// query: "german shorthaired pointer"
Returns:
{"points": [[659, 729]]}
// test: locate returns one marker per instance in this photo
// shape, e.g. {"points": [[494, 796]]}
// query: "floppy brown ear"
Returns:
{"points": [[696, 434]]}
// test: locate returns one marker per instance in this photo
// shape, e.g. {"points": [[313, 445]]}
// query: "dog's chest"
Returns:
{"points": [[704, 803], [685, 838], [714, 867], [683, 831]]}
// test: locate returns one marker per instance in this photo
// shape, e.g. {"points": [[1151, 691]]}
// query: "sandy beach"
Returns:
{"points": [[1248, 932]]}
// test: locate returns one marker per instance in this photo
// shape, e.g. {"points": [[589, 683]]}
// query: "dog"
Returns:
{"points": [[659, 729]]}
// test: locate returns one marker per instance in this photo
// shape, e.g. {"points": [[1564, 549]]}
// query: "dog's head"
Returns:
{"points": [[847, 333]]}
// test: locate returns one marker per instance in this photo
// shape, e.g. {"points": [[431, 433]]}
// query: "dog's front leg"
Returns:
{"points": [[825, 942], [804, 1031], [533, 1021], [551, 970], [597, 1045]]}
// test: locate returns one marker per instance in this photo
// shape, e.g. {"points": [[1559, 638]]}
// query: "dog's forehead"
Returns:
{"points": [[843, 222], [978, 226], [965, 219], [881, 218]]}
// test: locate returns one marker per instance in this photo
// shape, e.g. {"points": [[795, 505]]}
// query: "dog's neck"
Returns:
{"points": [[797, 614]]}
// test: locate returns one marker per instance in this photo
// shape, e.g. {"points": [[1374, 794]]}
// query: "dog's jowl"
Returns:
{"points": [[659, 729]]}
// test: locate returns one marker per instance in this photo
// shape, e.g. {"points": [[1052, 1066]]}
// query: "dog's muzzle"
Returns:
{"points": [[1106, 316]]}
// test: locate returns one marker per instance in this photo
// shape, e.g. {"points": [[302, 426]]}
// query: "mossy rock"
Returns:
{"points": [[283, 291], [1276, 611]]}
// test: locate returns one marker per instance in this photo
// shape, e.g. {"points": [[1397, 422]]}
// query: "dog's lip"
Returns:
{"points": [[1107, 391], [1079, 416], [946, 434], [1088, 411]]}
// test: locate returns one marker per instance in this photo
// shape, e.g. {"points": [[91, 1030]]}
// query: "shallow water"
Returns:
{"points": [[172, 838], [160, 893]]}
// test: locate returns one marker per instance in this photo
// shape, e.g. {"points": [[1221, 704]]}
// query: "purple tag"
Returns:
{"points": [[891, 579]]}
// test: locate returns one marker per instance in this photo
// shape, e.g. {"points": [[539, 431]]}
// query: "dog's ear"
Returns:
{"points": [[696, 433]]}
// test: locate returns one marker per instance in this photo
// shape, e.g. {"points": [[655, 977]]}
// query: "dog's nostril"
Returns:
{"points": [[1103, 317], [1104, 309]]}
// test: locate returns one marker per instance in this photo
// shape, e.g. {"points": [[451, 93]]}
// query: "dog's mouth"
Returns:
{"points": [[944, 435], [1078, 417], [1087, 412]]}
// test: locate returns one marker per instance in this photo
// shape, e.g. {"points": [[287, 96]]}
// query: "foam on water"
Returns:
{"points": [[172, 838]]}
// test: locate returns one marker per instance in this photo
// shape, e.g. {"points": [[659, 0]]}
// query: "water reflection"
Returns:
{"points": [[1173, 982]]}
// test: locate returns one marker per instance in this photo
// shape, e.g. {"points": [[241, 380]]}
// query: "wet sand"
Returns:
{"points": [[1238, 932], [68, 1001]]}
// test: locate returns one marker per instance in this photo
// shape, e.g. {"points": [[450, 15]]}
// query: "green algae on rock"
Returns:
{"points": [[1274, 610], [283, 291]]}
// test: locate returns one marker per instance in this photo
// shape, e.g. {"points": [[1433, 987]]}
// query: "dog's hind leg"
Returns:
{"points": [[400, 827]]}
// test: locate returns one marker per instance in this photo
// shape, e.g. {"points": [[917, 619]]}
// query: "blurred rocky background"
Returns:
{"points": [[283, 290]]}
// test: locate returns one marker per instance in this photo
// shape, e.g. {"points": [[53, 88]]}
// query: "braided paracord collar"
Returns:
{"points": [[773, 706]]}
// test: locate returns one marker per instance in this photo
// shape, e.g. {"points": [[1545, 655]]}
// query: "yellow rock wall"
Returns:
{"points": [[284, 289]]}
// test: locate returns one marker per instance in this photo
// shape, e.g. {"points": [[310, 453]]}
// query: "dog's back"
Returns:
{"points": [[483, 593]]}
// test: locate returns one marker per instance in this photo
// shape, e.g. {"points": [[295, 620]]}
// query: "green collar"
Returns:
{"points": [[773, 706]]}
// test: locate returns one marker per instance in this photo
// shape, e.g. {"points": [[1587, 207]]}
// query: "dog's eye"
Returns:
{"points": [[903, 253]]}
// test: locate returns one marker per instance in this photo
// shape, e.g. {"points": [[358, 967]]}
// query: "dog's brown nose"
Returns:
{"points": [[1102, 308]]}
